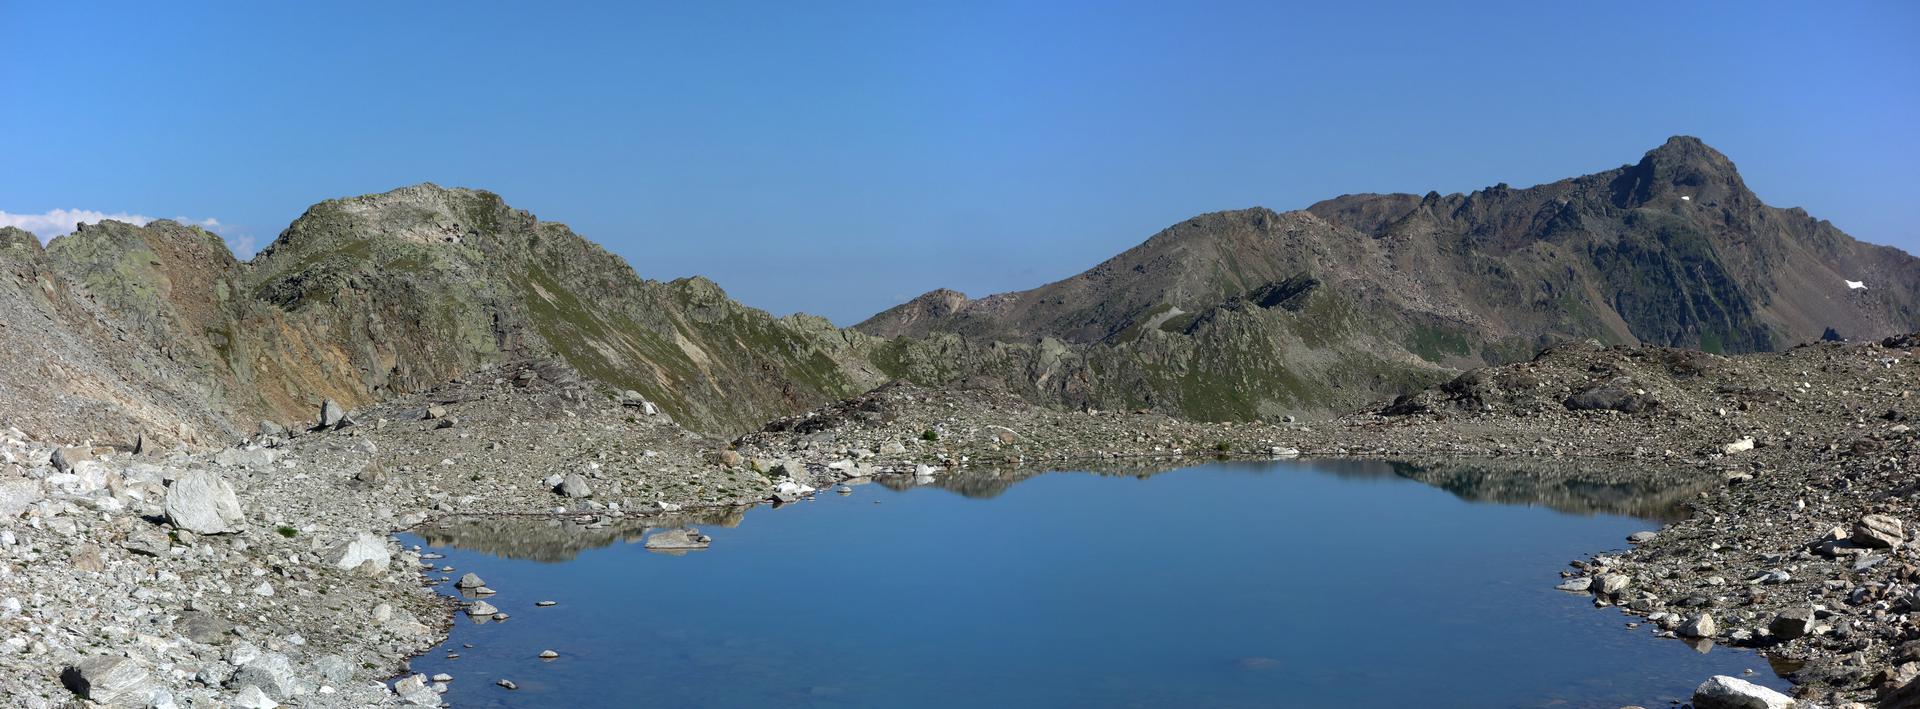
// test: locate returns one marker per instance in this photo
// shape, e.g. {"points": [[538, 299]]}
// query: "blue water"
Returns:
{"points": [[1308, 584]]}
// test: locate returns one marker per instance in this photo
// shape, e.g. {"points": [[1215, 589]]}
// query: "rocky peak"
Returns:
{"points": [[1682, 169]]}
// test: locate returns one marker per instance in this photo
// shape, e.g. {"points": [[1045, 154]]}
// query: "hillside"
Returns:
{"points": [[1358, 295], [160, 331]]}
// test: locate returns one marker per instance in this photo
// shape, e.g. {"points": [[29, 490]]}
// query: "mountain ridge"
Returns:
{"points": [[158, 333]]}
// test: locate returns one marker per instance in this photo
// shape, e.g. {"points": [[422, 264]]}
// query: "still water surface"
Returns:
{"points": [[1309, 584]]}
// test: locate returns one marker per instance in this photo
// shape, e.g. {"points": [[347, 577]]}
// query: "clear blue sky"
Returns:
{"points": [[840, 157]]}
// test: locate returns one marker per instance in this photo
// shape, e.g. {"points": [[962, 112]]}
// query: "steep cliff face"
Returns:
{"points": [[1251, 312]]}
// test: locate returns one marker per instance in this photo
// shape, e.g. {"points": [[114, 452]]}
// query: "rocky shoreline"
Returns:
{"points": [[127, 578]]}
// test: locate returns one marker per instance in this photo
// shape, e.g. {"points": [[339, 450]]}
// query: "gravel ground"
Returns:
{"points": [[1797, 544]]}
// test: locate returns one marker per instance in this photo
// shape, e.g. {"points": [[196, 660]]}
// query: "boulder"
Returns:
{"points": [[436, 411], [250, 697], [678, 540], [364, 548], [1699, 626], [272, 672], [469, 581], [573, 485], [203, 503], [481, 609], [203, 627], [65, 457], [109, 680], [1612, 584], [331, 414], [1791, 624], [1879, 532], [18, 495], [1723, 692], [269, 429], [1744, 444]]}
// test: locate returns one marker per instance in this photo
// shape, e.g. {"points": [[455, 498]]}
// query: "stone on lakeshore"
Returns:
{"points": [[365, 548], [548, 654], [1577, 583], [481, 609], [1790, 624], [1613, 584], [414, 689], [544, 604], [1879, 532], [1723, 692], [109, 679], [470, 580], [203, 503], [508, 684], [573, 485], [1642, 537], [1699, 626], [678, 540]]}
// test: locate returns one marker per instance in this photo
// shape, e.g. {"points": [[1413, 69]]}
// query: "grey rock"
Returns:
{"points": [[1879, 532], [678, 540], [203, 503], [65, 457], [331, 414], [270, 429], [1613, 584], [1642, 537], [272, 672], [203, 627], [333, 669], [414, 689], [17, 495], [1791, 624], [574, 485], [1577, 583], [481, 608], [469, 581], [109, 679], [1699, 626], [251, 697]]}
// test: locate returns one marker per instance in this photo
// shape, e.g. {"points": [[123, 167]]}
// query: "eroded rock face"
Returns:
{"points": [[203, 503]]}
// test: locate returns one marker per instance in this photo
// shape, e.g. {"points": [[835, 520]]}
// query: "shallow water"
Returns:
{"points": [[1310, 584]]}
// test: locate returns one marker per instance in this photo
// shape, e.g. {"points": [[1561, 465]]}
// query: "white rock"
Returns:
{"points": [[365, 548], [203, 503], [1740, 446], [1723, 692]]}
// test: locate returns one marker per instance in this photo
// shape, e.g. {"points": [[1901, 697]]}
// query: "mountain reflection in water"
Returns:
{"points": [[1577, 489]]}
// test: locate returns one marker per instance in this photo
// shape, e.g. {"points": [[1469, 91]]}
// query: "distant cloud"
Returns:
{"points": [[60, 222]]}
